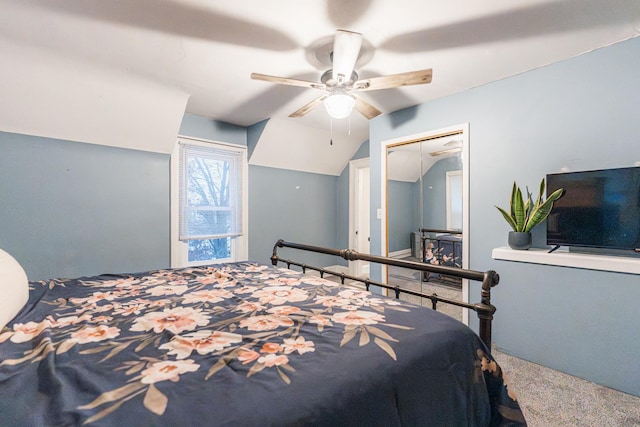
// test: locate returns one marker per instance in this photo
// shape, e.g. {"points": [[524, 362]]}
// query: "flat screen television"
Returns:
{"points": [[599, 209]]}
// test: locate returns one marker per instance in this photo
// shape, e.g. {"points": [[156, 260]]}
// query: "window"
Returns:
{"points": [[208, 203]]}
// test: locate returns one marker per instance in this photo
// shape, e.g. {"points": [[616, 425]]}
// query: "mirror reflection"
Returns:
{"points": [[425, 213]]}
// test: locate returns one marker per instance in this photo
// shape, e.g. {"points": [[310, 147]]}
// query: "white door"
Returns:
{"points": [[359, 229], [454, 200]]}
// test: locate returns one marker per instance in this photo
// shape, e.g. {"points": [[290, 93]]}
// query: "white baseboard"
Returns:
{"points": [[403, 253]]}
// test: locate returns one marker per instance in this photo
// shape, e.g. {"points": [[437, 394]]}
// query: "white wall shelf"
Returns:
{"points": [[563, 258]]}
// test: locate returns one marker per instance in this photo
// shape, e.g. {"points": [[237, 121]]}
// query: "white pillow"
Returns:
{"points": [[14, 288]]}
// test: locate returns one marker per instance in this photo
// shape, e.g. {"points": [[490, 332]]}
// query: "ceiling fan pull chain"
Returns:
{"points": [[331, 127]]}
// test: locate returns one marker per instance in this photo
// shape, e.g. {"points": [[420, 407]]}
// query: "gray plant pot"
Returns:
{"points": [[519, 240]]}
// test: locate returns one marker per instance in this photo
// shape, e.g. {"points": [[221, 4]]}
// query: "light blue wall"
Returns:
{"points": [[295, 206], [342, 237], [72, 209], [253, 135], [581, 113], [362, 152], [342, 209], [212, 130]]}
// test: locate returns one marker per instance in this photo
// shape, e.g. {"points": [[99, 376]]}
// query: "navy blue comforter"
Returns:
{"points": [[240, 345]]}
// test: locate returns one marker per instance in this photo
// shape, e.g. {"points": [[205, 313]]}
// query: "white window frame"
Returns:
{"points": [[180, 249]]}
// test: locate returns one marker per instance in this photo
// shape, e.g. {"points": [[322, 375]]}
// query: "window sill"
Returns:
{"points": [[563, 258]]}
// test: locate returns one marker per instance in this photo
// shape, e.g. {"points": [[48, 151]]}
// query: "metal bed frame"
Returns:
{"points": [[489, 279], [456, 248]]}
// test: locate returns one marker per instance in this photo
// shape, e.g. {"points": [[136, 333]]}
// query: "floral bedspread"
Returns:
{"points": [[240, 344]]}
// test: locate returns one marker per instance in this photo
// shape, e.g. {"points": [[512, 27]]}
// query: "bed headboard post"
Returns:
{"points": [[274, 256], [485, 309]]}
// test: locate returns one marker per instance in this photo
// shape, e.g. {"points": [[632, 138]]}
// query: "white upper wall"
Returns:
{"points": [[286, 144], [46, 94]]}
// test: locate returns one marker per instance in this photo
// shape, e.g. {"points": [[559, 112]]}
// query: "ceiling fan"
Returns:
{"points": [[341, 83]]}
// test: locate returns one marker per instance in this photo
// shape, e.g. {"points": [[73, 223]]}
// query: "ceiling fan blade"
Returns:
{"points": [[308, 107], [185, 19], [288, 81], [395, 80], [346, 48], [518, 23], [364, 108]]}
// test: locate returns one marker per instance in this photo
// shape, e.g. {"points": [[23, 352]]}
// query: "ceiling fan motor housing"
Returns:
{"points": [[330, 82]]}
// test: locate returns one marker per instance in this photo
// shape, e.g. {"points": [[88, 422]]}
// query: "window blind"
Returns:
{"points": [[210, 192]]}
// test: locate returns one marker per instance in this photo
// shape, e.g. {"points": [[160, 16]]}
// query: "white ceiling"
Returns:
{"points": [[123, 72]]}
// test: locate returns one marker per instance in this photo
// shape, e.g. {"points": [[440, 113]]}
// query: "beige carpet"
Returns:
{"points": [[550, 398]]}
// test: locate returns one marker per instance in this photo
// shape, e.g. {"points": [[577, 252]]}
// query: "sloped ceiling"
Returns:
{"points": [[47, 95], [124, 72], [288, 144]]}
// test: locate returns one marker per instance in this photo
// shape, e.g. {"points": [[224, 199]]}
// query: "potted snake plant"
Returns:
{"points": [[525, 214]]}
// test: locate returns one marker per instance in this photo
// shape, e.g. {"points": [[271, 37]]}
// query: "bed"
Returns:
{"points": [[243, 344]]}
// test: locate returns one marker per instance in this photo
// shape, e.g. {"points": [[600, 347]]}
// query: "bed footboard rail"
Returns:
{"points": [[489, 279]]}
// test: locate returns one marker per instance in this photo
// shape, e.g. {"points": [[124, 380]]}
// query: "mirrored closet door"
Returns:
{"points": [[426, 203]]}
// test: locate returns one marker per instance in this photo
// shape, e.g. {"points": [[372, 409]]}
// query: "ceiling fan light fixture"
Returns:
{"points": [[339, 105]]}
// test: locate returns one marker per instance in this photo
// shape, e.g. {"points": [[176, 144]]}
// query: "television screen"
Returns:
{"points": [[599, 209]]}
